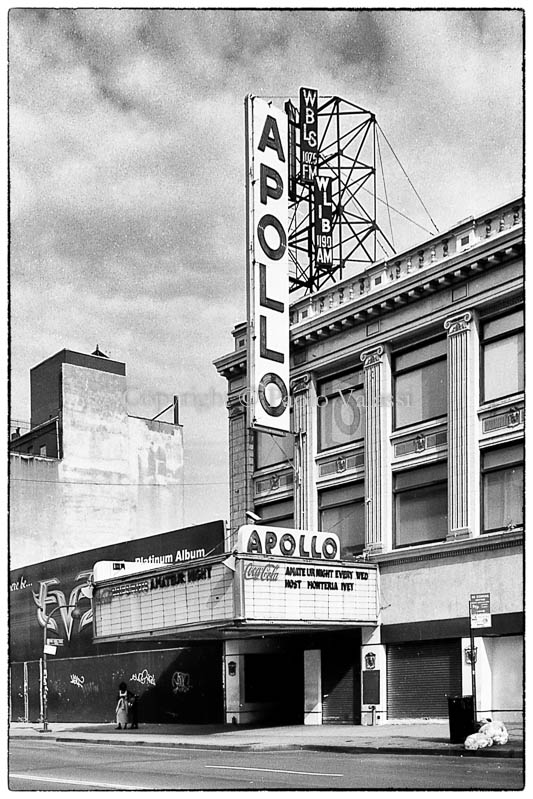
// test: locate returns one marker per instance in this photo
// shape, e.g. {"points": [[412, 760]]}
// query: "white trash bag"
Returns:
{"points": [[496, 731], [478, 740], [490, 732]]}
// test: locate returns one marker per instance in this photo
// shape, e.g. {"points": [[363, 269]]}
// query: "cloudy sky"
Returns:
{"points": [[127, 174]]}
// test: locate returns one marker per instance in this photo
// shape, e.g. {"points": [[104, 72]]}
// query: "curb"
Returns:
{"points": [[498, 752]]}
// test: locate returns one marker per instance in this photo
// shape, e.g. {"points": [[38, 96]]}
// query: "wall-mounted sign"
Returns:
{"points": [[279, 591], [479, 606], [370, 660], [308, 135], [267, 266], [323, 227], [263, 540]]}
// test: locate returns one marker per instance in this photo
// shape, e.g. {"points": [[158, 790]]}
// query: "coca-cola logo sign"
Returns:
{"points": [[267, 572]]}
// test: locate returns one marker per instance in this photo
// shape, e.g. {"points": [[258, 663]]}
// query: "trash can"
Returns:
{"points": [[461, 716]]}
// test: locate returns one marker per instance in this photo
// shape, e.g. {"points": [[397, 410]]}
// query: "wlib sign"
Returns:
{"points": [[267, 265]]}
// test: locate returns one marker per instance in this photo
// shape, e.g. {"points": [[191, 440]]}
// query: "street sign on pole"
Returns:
{"points": [[480, 615]]}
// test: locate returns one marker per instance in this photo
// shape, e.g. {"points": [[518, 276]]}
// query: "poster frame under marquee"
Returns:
{"points": [[267, 203]]}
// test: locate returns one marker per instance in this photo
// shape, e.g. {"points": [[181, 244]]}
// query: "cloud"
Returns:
{"points": [[127, 176]]}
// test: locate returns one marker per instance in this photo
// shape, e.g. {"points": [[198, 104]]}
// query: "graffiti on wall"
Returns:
{"points": [[49, 599], [143, 677], [181, 682]]}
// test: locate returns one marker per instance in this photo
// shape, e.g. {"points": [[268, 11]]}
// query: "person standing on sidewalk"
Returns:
{"points": [[121, 710], [133, 710]]}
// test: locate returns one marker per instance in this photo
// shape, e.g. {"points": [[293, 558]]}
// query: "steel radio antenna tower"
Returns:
{"points": [[345, 161]]}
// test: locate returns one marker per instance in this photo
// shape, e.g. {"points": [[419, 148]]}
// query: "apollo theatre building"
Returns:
{"points": [[373, 562]]}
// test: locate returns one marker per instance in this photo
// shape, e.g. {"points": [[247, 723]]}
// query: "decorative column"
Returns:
{"points": [[463, 454], [378, 532], [241, 466], [300, 392]]}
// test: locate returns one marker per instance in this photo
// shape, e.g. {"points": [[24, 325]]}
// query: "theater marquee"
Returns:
{"points": [[258, 592], [308, 592]]}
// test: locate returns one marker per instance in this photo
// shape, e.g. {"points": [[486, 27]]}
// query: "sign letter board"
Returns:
{"points": [[308, 135], [267, 266], [323, 222]]}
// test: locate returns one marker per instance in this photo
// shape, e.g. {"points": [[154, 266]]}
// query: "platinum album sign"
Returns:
{"points": [[267, 265]]}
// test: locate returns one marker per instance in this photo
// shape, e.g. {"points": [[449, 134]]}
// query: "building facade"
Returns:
{"points": [[407, 442], [86, 470]]}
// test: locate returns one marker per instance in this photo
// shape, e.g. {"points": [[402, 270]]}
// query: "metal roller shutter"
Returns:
{"points": [[420, 675]]}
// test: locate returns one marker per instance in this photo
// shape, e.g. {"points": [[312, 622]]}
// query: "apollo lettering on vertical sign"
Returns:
{"points": [[308, 135], [267, 266], [323, 221]]}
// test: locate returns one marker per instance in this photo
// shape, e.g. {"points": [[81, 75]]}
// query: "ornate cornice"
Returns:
{"points": [[452, 549]]}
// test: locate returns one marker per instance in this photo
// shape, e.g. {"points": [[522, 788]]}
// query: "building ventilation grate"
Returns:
{"points": [[510, 418], [274, 482], [420, 443], [341, 464]]}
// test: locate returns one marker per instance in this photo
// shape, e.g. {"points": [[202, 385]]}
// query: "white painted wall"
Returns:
{"points": [[120, 477], [441, 588]]}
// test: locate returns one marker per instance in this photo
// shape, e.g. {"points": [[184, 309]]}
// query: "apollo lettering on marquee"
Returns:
{"points": [[288, 543], [267, 266]]}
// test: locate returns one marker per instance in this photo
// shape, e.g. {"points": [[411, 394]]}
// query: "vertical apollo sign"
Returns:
{"points": [[267, 266]]}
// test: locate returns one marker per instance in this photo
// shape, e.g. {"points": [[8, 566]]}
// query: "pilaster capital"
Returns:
{"points": [[459, 323], [235, 408], [300, 384], [372, 356]]}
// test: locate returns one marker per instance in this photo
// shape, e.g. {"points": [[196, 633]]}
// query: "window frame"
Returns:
{"points": [[506, 334], [259, 509], [500, 468], [399, 372], [355, 386], [428, 483], [359, 501], [283, 461]]}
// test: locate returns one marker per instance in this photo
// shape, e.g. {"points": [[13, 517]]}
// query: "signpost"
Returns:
{"points": [[49, 648], [479, 613]]}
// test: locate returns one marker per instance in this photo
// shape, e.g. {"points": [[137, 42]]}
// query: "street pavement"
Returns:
{"points": [[417, 738]]}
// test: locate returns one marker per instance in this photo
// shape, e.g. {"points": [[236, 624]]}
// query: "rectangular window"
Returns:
{"points": [[421, 505], [42, 450], [503, 356], [278, 514], [341, 417], [342, 511], [271, 450], [503, 488], [420, 384]]}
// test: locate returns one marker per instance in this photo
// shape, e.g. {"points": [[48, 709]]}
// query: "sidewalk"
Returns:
{"points": [[417, 738]]}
